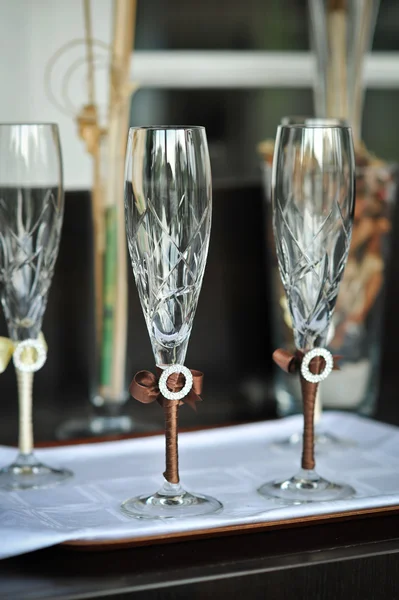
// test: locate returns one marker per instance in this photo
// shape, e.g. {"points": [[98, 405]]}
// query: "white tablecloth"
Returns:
{"points": [[228, 463]]}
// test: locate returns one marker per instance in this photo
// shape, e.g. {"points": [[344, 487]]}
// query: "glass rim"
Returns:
{"points": [[29, 124], [164, 127], [335, 124], [322, 121]]}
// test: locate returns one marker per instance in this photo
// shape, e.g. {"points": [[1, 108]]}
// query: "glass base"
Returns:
{"points": [[323, 442], [27, 473], [306, 486], [170, 502]]}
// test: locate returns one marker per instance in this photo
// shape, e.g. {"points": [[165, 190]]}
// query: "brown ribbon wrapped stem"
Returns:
{"points": [[291, 363], [309, 393], [144, 388]]}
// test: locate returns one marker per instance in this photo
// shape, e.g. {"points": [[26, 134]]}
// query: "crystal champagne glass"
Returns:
{"points": [[313, 198], [168, 203], [324, 440], [31, 213]]}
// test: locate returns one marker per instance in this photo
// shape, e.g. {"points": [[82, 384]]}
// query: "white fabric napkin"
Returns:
{"points": [[227, 463]]}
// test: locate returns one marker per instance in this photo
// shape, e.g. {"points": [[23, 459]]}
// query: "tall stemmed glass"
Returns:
{"points": [[31, 213], [324, 440], [168, 203], [313, 196]]}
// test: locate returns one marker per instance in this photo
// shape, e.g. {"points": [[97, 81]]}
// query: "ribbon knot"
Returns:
{"points": [[291, 363], [8, 347], [144, 387]]}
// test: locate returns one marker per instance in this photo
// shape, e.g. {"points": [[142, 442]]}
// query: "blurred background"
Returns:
{"points": [[237, 68]]}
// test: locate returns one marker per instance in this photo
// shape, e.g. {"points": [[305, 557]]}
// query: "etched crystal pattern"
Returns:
{"points": [[312, 220], [168, 266], [30, 229], [168, 229]]}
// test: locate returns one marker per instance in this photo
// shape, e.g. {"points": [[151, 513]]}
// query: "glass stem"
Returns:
{"points": [[25, 387], [307, 475], [309, 392], [171, 414], [318, 409]]}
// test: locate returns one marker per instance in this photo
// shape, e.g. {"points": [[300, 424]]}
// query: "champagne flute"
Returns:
{"points": [[168, 202], [324, 440], [31, 213], [313, 197]]}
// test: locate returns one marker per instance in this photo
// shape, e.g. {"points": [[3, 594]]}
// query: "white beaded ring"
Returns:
{"points": [[312, 377], [165, 391], [37, 364]]}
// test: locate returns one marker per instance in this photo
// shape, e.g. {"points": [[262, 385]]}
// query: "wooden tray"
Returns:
{"points": [[185, 536]]}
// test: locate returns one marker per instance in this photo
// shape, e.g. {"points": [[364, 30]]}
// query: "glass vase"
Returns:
{"points": [[107, 412], [341, 33]]}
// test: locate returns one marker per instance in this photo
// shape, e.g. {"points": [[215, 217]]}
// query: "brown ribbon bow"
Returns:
{"points": [[291, 363], [144, 387]]}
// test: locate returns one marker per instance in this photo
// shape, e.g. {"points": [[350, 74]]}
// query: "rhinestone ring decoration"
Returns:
{"points": [[40, 359], [316, 378], [165, 391]]}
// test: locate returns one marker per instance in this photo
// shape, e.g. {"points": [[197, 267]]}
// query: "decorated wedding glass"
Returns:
{"points": [[324, 440], [31, 214], [313, 197], [168, 203]]}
